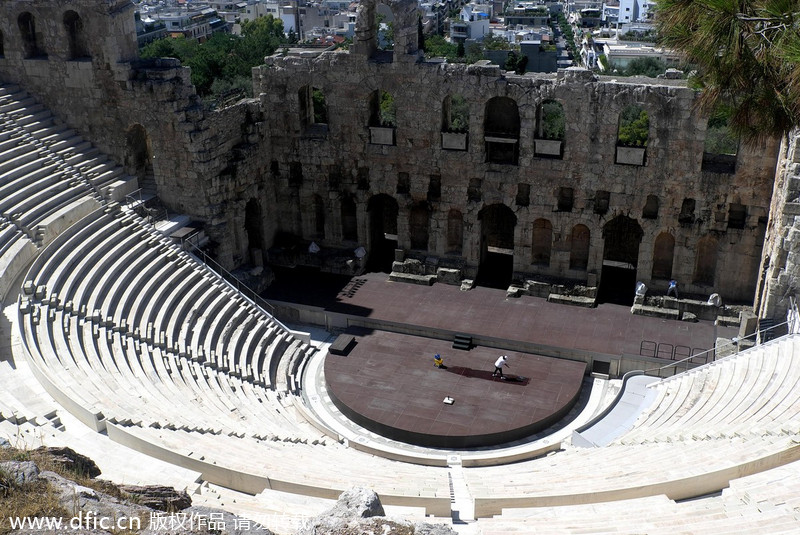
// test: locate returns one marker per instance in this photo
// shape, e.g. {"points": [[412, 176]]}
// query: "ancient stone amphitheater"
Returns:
{"points": [[117, 342]]}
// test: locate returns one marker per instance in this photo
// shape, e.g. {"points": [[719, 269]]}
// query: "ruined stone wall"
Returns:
{"points": [[88, 73], [269, 153], [778, 278], [345, 163]]}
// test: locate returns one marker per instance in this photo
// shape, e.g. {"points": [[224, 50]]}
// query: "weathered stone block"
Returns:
{"points": [[448, 276]]}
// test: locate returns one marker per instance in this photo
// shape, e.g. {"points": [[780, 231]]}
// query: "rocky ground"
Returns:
{"points": [[51, 484]]}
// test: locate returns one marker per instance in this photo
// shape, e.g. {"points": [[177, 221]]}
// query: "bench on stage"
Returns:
{"points": [[342, 345]]}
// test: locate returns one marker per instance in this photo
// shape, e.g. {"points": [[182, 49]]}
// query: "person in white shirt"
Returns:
{"points": [[498, 366]]}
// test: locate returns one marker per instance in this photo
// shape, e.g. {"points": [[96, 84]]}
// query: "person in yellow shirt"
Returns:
{"points": [[438, 361]]}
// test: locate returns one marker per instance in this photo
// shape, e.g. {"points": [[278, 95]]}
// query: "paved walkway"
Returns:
{"points": [[609, 329]]}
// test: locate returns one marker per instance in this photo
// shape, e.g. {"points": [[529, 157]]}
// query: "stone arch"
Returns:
{"points": [[76, 36], [579, 247], [349, 219], [139, 156], [252, 227], [419, 225], [705, 265], [542, 242], [30, 41], [501, 126], [455, 232], [382, 210], [406, 39], [319, 217], [497, 245], [663, 255]]}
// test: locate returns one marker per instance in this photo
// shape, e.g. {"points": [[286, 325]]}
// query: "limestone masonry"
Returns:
{"points": [[500, 200]]}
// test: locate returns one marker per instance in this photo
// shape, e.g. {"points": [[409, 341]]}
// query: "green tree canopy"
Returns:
{"points": [[634, 127], [224, 61], [747, 55], [651, 67]]}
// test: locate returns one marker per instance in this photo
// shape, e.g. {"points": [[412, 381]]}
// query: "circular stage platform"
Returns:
{"points": [[388, 384]]}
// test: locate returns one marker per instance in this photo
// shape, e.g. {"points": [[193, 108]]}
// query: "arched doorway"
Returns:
{"points": [[252, 227], [382, 210], [497, 246], [622, 237], [139, 157]]}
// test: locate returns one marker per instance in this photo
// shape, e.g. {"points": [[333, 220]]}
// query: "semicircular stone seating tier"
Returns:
{"points": [[139, 340]]}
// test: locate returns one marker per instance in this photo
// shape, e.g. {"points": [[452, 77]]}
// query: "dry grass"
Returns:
{"points": [[40, 499], [32, 500]]}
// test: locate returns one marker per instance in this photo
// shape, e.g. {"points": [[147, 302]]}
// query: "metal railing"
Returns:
{"points": [[229, 277], [136, 202], [712, 353]]}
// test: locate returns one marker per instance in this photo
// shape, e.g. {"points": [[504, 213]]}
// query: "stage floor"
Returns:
{"points": [[388, 384], [608, 329]]}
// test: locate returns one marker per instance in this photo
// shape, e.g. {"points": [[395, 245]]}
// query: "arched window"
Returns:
{"points": [[313, 108], [455, 122], [542, 242], [501, 125], [418, 225], [455, 114], [550, 128], [720, 146], [706, 262], [383, 111], [139, 156], [663, 254], [252, 225], [550, 121], [27, 30], [455, 232], [319, 217], [634, 127], [349, 220], [382, 118], [579, 247], [75, 36], [632, 136]]}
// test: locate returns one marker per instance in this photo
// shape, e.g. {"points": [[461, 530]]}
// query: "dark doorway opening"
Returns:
{"points": [[497, 246], [618, 285], [496, 270], [622, 237], [382, 211], [252, 227]]}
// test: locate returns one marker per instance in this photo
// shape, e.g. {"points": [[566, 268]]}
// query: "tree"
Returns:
{"points": [[224, 61], [634, 127], [387, 112], [511, 61], [460, 49], [747, 56], [437, 47], [522, 64], [650, 67]]}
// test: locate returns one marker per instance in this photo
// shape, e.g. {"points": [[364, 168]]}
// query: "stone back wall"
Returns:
{"points": [[343, 162], [89, 75]]}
